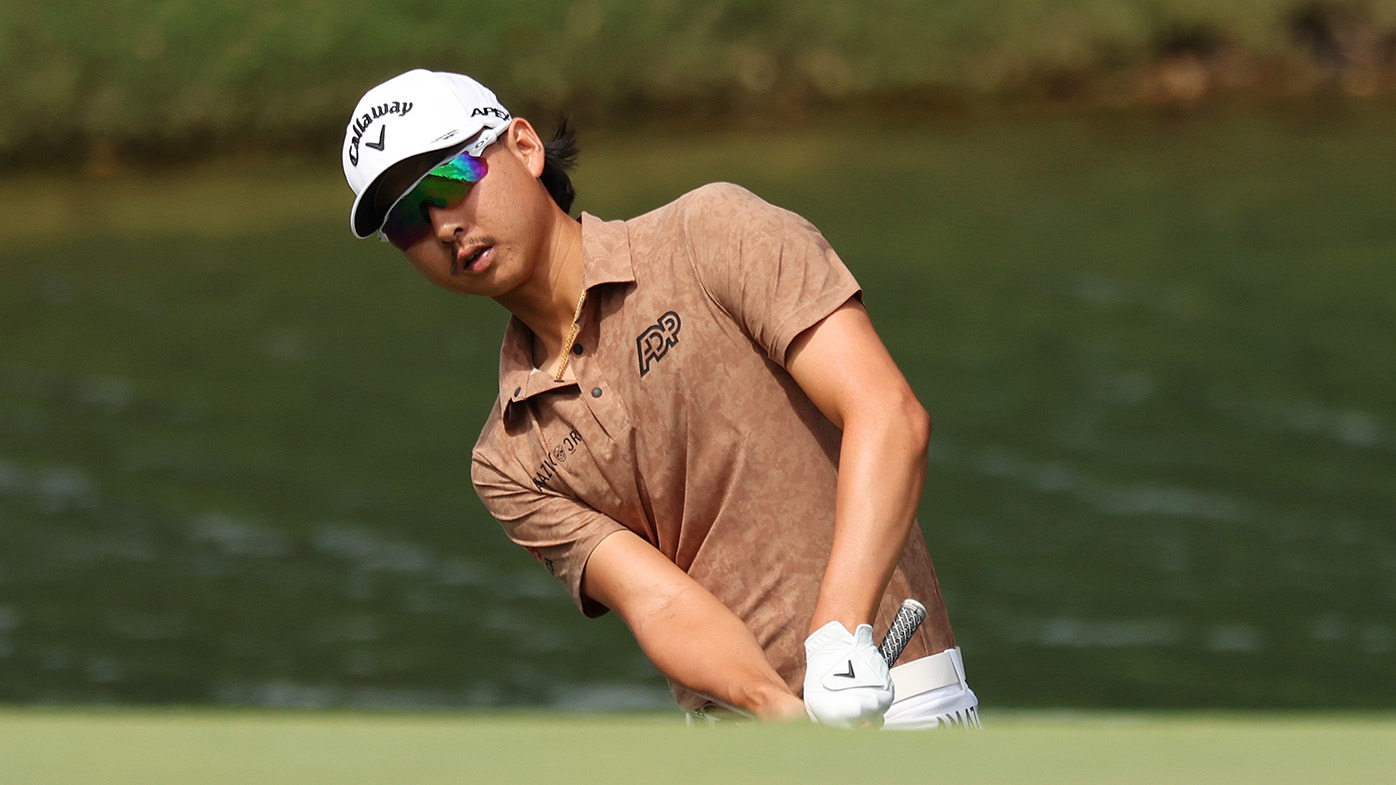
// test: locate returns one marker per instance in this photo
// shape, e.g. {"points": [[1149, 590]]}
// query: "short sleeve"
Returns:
{"points": [[559, 531], [767, 267]]}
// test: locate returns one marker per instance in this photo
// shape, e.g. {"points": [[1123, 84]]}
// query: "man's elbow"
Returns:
{"points": [[918, 424], [904, 423], [897, 422]]}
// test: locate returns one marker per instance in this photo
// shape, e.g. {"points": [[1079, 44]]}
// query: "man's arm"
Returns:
{"points": [[843, 367], [684, 630]]}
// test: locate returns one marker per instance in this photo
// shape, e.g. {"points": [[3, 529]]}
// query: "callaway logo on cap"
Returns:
{"points": [[411, 114]]}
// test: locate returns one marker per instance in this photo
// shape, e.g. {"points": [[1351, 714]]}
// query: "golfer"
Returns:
{"points": [[697, 426]]}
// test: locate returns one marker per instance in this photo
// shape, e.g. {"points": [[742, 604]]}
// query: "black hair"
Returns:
{"points": [[559, 158]]}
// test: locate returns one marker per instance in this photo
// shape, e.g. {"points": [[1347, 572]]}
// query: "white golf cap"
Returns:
{"points": [[411, 114]]}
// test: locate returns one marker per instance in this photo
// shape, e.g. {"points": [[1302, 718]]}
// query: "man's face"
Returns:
{"points": [[489, 242]]}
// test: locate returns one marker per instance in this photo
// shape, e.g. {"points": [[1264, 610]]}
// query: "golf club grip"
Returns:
{"points": [[908, 619]]}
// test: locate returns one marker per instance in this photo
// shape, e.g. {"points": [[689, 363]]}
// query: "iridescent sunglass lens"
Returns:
{"points": [[444, 186], [463, 167]]}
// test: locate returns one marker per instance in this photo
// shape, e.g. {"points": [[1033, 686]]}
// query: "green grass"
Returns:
{"points": [[213, 748]]}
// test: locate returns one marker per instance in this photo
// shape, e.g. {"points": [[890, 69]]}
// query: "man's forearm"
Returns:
{"points": [[882, 464], [882, 468], [698, 642], [685, 631]]}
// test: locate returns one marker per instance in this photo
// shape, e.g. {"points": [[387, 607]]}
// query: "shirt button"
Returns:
{"points": [[577, 349], [517, 390], [596, 392]]}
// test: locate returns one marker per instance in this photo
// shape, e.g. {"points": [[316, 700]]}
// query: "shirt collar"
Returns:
{"points": [[605, 252], [605, 260]]}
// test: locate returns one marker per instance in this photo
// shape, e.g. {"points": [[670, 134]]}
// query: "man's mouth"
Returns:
{"points": [[471, 259]]}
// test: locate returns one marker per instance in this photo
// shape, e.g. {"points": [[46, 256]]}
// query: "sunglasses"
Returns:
{"points": [[444, 186]]}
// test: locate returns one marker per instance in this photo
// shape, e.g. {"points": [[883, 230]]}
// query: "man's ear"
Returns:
{"points": [[524, 142]]}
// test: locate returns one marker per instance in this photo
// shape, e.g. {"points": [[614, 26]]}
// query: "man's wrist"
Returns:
{"points": [[843, 608], [772, 702]]}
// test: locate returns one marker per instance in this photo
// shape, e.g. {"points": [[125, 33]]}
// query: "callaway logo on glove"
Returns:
{"points": [[847, 684]]}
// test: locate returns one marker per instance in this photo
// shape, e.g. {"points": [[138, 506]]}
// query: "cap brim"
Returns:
{"points": [[362, 220]]}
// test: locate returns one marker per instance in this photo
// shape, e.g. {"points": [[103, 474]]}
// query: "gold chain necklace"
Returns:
{"points": [[571, 336]]}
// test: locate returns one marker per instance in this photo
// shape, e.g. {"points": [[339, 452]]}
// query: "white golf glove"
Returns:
{"points": [[846, 680]]}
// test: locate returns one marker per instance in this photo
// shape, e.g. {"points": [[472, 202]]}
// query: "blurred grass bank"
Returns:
{"points": [[116, 79]]}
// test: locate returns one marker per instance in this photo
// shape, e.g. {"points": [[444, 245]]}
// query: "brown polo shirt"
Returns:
{"points": [[680, 423]]}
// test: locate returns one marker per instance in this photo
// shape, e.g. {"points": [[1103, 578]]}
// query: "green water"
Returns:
{"points": [[1160, 353]]}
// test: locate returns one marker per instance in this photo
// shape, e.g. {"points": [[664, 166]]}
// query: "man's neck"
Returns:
{"points": [[547, 304]]}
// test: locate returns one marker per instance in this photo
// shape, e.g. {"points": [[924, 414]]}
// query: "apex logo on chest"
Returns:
{"points": [[657, 339]]}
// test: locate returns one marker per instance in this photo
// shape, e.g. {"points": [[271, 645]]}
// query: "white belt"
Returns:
{"points": [[928, 673]]}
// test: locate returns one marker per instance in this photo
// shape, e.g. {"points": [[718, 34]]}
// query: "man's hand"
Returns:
{"points": [[847, 684]]}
